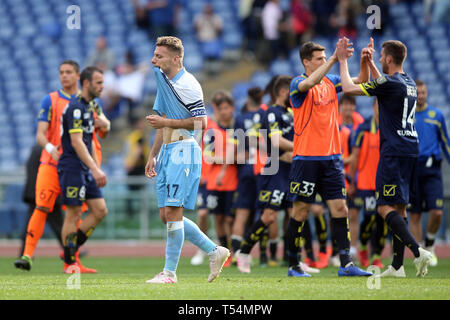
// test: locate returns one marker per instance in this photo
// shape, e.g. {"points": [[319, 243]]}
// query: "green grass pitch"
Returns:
{"points": [[124, 278]]}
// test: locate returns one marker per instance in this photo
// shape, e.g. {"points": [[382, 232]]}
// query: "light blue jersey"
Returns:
{"points": [[179, 163], [179, 98]]}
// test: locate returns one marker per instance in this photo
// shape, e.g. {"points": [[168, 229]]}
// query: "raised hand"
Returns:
{"points": [[367, 52], [343, 49]]}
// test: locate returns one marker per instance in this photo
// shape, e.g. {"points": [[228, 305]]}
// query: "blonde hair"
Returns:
{"points": [[174, 44]]}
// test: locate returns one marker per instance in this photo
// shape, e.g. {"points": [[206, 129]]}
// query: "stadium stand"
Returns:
{"points": [[34, 40]]}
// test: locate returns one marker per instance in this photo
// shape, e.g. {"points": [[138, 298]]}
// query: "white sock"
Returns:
{"points": [[431, 236]]}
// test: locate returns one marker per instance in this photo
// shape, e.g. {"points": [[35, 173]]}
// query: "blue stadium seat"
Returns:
{"points": [[240, 89], [437, 100], [436, 31], [442, 54], [280, 66], [407, 34], [443, 66], [399, 10], [261, 79], [193, 62], [419, 54], [232, 40]]}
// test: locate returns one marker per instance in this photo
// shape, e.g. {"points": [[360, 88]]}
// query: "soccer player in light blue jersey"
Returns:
{"points": [[176, 158], [429, 193]]}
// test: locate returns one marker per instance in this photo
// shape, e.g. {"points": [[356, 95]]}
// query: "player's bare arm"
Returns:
{"points": [[151, 162], [354, 158], [348, 86], [366, 64], [282, 143], [103, 125], [368, 54], [191, 123], [42, 140], [76, 138], [317, 76]]}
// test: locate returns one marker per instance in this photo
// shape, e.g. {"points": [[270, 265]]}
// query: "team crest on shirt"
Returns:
{"points": [[256, 118], [271, 117], [432, 114], [381, 80], [77, 114], [248, 123]]}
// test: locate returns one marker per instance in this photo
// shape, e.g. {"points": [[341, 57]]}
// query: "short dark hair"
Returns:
{"points": [[73, 63], [255, 94], [396, 49], [87, 73], [281, 82], [420, 83], [350, 99], [269, 88], [308, 48], [222, 96]]}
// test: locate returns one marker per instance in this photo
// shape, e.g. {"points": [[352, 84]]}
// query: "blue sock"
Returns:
{"points": [[193, 233], [175, 239]]}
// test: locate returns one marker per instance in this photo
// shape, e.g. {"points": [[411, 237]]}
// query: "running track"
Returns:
{"points": [[95, 248]]}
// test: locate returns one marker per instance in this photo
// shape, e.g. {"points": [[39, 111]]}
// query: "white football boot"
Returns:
{"points": [[163, 277], [217, 259], [243, 261], [390, 272]]}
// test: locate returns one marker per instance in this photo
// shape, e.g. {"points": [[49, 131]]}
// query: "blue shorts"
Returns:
{"points": [[246, 193], [429, 191], [308, 177], [220, 202], [178, 171], [273, 190], [77, 186], [366, 200], [351, 204], [202, 195], [395, 179], [319, 200]]}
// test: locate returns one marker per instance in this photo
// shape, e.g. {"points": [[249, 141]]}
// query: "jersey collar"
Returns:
{"points": [[64, 94], [179, 74]]}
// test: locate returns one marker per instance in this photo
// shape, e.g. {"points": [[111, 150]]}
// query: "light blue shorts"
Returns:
{"points": [[178, 170]]}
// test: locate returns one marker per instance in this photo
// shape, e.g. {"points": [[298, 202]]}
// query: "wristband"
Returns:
{"points": [[49, 147]]}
